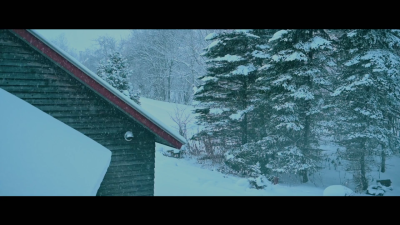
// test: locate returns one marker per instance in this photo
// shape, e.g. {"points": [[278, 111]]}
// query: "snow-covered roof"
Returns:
{"points": [[40, 155], [178, 139]]}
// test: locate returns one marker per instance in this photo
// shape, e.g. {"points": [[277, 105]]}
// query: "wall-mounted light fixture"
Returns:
{"points": [[128, 136]]}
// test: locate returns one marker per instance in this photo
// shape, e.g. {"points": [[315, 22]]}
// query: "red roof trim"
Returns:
{"points": [[89, 81]]}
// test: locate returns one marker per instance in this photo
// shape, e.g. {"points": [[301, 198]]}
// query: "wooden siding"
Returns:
{"points": [[34, 78]]}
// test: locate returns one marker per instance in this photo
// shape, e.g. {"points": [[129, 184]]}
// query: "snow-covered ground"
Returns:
{"points": [[185, 177], [182, 177], [40, 155]]}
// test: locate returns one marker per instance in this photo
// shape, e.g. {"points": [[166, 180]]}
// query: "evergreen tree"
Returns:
{"points": [[242, 160], [291, 86], [258, 116], [368, 98], [223, 98], [115, 72]]}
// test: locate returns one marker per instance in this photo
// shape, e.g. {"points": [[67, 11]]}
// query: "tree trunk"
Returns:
{"points": [[168, 94], [244, 129], [304, 176], [307, 126], [364, 181], [383, 162], [306, 132], [244, 122], [169, 82]]}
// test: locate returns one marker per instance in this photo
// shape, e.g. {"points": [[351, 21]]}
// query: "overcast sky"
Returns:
{"points": [[82, 39]]}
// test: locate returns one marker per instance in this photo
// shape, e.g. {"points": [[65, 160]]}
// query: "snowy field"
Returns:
{"points": [[185, 177]]}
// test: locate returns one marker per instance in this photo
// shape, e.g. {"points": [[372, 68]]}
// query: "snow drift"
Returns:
{"points": [[40, 155], [338, 190]]}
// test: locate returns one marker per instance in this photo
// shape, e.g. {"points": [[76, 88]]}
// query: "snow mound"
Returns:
{"points": [[375, 190], [40, 155], [378, 190], [338, 190]]}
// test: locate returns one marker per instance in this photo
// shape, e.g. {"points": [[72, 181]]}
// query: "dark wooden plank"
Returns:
{"points": [[120, 146], [38, 95], [103, 131], [27, 82], [20, 56], [107, 139], [141, 193], [100, 138], [7, 42], [138, 134], [125, 179], [130, 163], [123, 153], [128, 190], [136, 140], [17, 69], [94, 119], [41, 76], [5, 34], [112, 140], [128, 173], [91, 125], [70, 102], [16, 63], [145, 168], [43, 89], [149, 191], [79, 117], [117, 145], [128, 184], [16, 49], [145, 191], [71, 109], [131, 157], [79, 114]]}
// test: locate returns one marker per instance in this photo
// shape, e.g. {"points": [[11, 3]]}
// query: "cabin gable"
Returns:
{"points": [[27, 74]]}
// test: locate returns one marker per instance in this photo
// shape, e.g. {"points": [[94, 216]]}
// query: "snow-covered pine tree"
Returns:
{"points": [[115, 71], [292, 85], [242, 160], [258, 115], [222, 99], [368, 95]]}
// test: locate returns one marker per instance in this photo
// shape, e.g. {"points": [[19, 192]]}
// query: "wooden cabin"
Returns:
{"points": [[46, 77]]}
